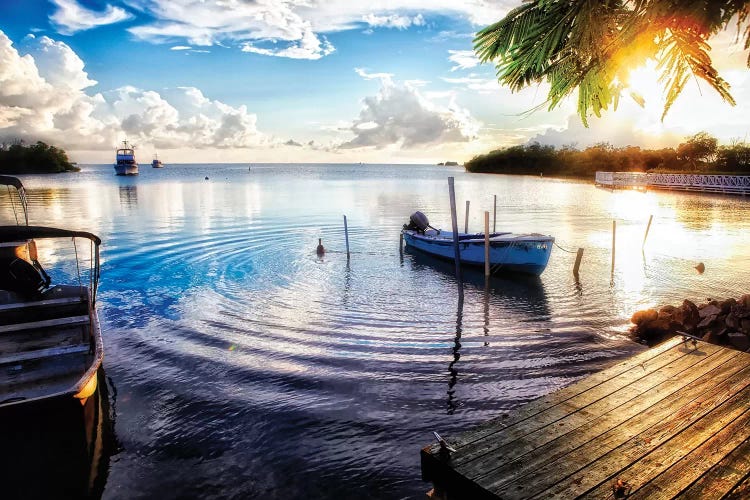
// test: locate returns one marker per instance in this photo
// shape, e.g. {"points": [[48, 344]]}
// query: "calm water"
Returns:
{"points": [[242, 365]]}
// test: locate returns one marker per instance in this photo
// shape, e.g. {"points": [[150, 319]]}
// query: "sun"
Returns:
{"points": [[643, 84]]}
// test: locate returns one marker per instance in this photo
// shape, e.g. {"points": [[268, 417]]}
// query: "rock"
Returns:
{"points": [[645, 316], [687, 315], [709, 310], [668, 309], [726, 305], [707, 321], [711, 337], [739, 340], [732, 322], [700, 267], [745, 301], [745, 325]]}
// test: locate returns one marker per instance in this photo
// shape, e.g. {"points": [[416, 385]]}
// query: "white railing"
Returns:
{"points": [[687, 182]]}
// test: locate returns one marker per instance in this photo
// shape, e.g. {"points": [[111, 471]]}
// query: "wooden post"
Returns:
{"points": [[454, 223], [486, 244], [614, 230], [650, 218], [577, 265], [494, 217], [401, 243], [466, 222], [346, 235]]}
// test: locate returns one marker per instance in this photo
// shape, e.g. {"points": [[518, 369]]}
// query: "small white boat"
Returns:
{"points": [[125, 163], [156, 162], [509, 252]]}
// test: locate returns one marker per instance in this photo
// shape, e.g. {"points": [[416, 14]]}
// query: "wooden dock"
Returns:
{"points": [[673, 421]]}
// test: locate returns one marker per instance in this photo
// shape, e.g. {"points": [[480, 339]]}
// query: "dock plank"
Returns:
{"points": [[673, 421], [551, 442]]}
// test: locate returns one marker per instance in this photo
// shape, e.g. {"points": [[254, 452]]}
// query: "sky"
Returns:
{"points": [[305, 81]]}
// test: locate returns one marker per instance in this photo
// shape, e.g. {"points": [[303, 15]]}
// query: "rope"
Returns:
{"points": [[13, 204], [564, 250], [78, 268]]}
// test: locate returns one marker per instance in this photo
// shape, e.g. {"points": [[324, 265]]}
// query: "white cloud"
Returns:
{"points": [[295, 28], [70, 17], [400, 117], [463, 59], [393, 21], [181, 47], [373, 76], [42, 97], [475, 84]]}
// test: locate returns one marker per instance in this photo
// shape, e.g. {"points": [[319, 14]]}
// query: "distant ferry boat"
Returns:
{"points": [[156, 162], [126, 164]]}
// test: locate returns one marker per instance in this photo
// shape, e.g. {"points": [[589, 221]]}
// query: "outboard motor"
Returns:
{"points": [[418, 222]]}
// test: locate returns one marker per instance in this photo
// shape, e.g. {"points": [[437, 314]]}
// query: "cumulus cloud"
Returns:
{"points": [[43, 97], [70, 17], [463, 59], [372, 76], [400, 116]]}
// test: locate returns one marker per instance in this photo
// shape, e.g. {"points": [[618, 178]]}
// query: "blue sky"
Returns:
{"points": [[299, 81]]}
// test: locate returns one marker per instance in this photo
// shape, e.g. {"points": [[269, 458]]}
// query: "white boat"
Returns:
{"points": [[125, 163], [509, 252], [156, 162]]}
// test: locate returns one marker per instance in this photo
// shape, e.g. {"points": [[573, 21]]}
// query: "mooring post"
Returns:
{"points": [[486, 244], [614, 230], [577, 265], [346, 235], [454, 223], [466, 222], [650, 218], [494, 217], [401, 243]]}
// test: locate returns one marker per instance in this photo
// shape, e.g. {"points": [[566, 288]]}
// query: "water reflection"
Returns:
{"points": [[59, 449], [128, 195]]}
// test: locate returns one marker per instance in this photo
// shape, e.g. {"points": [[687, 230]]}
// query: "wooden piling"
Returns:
{"points": [[577, 265], [454, 223], [346, 235], [466, 222], [650, 218], [401, 243], [494, 216], [486, 244], [614, 230]]}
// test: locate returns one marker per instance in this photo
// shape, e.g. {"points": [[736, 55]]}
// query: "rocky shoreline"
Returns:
{"points": [[725, 322]]}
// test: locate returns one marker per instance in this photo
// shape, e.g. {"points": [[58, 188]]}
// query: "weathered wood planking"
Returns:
{"points": [[673, 421]]}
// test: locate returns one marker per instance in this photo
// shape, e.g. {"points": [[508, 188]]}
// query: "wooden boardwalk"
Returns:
{"points": [[673, 421]]}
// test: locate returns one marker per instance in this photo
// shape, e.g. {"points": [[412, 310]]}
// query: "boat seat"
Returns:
{"points": [[19, 357], [47, 323]]}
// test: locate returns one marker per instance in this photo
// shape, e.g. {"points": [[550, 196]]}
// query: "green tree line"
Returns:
{"points": [[700, 153], [19, 158]]}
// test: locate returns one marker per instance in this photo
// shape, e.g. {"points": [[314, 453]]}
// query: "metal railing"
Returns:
{"points": [[712, 183]]}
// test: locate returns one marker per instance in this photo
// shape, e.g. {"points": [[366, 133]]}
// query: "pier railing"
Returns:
{"points": [[711, 183]]}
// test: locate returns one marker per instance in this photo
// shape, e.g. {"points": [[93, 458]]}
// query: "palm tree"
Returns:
{"points": [[591, 45]]}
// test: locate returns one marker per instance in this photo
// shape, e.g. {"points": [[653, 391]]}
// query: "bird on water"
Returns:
{"points": [[320, 250]]}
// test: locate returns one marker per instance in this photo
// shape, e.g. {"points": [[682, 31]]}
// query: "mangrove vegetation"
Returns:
{"points": [[700, 153], [40, 158]]}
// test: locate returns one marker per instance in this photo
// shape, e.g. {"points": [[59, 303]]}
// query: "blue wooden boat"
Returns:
{"points": [[509, 252]]}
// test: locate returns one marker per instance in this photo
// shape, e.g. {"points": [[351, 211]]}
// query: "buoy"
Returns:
{"points": [[206, 177], [320, 250], [700, 268]]}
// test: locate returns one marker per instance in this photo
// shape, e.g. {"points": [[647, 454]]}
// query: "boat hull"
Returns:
{"points": [[126, 169], [528, 254]]}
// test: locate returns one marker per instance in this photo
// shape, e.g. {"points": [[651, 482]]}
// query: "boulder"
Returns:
{"points": [[711, 337], [643, 317], [745, 325], [739, 341], [707, 321], [726, 305], [687, 315], [745, 301], [732, 322], [709, 310]]}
